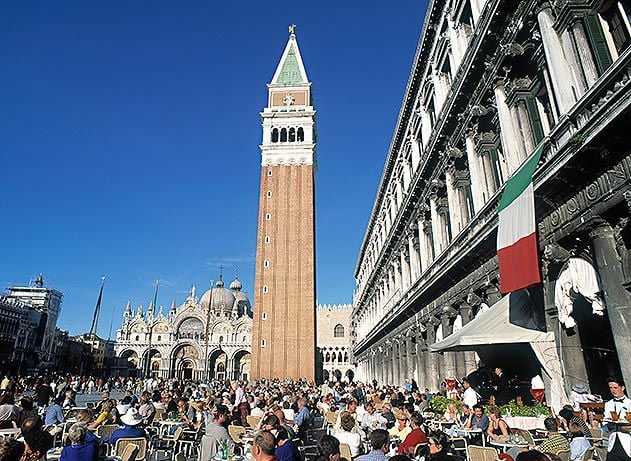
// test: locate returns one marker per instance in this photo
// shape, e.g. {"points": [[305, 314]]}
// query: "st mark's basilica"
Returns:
{"points": [[218, 326]]}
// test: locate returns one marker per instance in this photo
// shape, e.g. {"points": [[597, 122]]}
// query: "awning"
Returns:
{"points": [[494, 327]]}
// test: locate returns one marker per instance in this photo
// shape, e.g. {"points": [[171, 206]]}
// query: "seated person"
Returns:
{"points": [[401, 429], [479, 419], [498, 429], [555, 442], [415, 437], [346, 434], [12, 449], [438, 447], [131, 428], [328, 449], [579, 443], [380, 445], [79, 449], [106, 415], [286, 449], [36, 440], [568, 417], [84, 418]]}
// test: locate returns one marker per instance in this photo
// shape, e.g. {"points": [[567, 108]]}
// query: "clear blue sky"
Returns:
{"points": [[129, 136]]}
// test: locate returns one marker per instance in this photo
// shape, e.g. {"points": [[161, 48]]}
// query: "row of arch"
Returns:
{"points": [[285, 135], [185, 362]]}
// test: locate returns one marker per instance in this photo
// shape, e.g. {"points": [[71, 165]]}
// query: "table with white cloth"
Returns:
{"points": [[506, 445], [529, 423], [470, 433]]}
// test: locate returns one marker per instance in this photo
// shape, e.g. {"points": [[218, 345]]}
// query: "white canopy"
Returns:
{"points": [[490, 327]]}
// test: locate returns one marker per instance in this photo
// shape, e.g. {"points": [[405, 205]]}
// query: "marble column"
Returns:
{"points": [[424, 250], [416, 154], [590, 71], [513, 148], [466, 313], [415, 263], [449, 358], [617, 299], [475, 173], [565, 90], [439, 244], [453, 202], [431, 366], [405, 268]]}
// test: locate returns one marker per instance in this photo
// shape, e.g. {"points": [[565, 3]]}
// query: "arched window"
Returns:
{"points": [[327, 357], [339, 357], [137, 338], [275, 135], [338, 331], [301, 134], [292, 135], [283, 135]]}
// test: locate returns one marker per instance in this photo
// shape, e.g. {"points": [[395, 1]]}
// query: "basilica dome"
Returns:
{"points": [[220, 299]]}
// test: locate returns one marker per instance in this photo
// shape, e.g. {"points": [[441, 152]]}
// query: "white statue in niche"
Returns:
{"points": [[289, 99]]}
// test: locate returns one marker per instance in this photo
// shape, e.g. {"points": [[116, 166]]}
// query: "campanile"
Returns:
{"points": [[283, 340]]}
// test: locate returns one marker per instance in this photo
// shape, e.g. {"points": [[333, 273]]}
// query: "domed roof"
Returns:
{"points": [[219, 299], [236, 285]]}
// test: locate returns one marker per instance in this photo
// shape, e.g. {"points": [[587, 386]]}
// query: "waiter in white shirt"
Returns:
{"points": [[616, 409], [469, 397]]}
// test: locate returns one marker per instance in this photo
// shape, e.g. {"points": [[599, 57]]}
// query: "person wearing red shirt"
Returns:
{"points": [[415, 437]]}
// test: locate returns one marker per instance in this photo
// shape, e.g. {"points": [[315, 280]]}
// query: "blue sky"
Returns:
{"points": [[129, 136]]}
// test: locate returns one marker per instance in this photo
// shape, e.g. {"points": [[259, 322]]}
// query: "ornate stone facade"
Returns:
{"points": [[491, 82], [202, 338], [334, 341]]}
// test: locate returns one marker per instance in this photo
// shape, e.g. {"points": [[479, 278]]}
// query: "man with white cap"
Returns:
{"points": [[131, 421]]}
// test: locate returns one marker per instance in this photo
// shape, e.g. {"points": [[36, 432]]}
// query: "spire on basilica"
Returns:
{"points": [[140, 311], [173, 308]]}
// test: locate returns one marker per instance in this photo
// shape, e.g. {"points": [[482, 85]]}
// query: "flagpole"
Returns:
{"points": [[155, 300], [210, 303], [97, 310]]}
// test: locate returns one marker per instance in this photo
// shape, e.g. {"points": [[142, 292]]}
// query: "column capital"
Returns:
{"points": [[601, 229]]}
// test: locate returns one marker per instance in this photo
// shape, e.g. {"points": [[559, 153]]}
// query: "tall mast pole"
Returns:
{"points": [[207, 334], [150, 320]]}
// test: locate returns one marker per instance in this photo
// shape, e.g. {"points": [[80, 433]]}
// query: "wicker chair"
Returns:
{"points": [[121, 445], [331, 417], [253, 421], [345, 451], [564, 455], [106, 430], [601, 453], [588, 455], [235, 433], [130, 452], [482, 453]]}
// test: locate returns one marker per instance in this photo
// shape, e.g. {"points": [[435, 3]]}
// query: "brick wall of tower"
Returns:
{"points": [[289, 304]]}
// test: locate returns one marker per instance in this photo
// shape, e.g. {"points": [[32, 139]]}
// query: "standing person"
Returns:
{"points": [[617, 409], [470, 397], [44, 394], [379, 444]]}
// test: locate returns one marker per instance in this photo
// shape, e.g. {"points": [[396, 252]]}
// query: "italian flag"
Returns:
{"points": [[516, 233]]}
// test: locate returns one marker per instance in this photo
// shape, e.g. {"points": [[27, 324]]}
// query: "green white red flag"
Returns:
{"points": [[517, 251]]}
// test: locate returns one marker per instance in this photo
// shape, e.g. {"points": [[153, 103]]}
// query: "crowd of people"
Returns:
{"points": [[371, 421]]}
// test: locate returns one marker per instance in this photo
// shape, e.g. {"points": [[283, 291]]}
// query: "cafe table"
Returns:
{"points": [[507, 444], [463, 432]]}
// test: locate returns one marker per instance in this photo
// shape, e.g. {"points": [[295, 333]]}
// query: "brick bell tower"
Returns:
{"points": [[284, 336]]}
